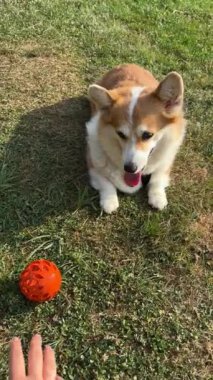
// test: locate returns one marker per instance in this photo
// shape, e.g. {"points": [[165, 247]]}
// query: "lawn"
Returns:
{"points": [[137, 289]]}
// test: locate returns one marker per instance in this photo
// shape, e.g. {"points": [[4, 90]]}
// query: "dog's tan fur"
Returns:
{"points": [[128, 98]]}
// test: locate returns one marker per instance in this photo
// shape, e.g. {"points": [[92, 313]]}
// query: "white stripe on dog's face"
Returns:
{"points": [[135, 156], [131, 154], [135, 92]]}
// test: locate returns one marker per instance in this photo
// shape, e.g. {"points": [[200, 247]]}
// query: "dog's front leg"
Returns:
{"points": [[159, 166], [108, 193], [156, 189]]}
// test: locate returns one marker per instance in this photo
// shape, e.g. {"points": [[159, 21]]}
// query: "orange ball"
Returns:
{"points": [[40, 281]]}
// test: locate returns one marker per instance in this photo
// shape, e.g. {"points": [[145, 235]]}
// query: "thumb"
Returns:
{"points": [[58, 378]]}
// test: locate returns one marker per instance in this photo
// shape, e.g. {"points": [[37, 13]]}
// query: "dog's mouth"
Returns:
{"points": [[132, 179]]}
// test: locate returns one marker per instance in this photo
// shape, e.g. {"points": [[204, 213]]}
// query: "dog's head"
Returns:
{"points": [[132, 118]]}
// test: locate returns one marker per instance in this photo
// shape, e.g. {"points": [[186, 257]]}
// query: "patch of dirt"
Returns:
{"points": [[190, 170], [190, 351], [31, 77], [203, 228], [199, 174]]}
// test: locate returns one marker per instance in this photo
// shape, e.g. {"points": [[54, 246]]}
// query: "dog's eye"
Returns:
{"points": [[146, 135], [122, 135]]}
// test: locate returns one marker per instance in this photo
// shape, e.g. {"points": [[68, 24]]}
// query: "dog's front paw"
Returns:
{"points": [[158, 199], [109, 205]]}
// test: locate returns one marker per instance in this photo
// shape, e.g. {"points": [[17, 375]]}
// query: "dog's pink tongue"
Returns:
{"points": [[132, 179]]}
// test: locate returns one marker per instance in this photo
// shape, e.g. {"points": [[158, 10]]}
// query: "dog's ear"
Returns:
{"points": [[170, 92], [100, 96]]}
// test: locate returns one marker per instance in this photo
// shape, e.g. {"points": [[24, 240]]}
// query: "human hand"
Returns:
{"points": [[41, 365]]}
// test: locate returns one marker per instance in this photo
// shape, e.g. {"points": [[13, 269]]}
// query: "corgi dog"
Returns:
{"points": [[136, 128]]}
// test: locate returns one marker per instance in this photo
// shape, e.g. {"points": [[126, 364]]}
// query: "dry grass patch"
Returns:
{"points": [[36, 76], [203, 230]]}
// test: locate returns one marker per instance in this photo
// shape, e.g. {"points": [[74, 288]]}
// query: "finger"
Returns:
{"points": [[16, 360], [35, 358], [49, 365], [58, 378]]}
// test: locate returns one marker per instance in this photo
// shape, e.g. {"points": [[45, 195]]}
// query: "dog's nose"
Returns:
{"points": [[130, 167]]}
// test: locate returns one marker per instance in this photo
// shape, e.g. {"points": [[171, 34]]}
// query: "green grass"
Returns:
{"points": [[137, 292]]}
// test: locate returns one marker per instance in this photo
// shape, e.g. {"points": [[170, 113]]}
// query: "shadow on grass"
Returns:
{"points": [[44, 170], [11, 301]]}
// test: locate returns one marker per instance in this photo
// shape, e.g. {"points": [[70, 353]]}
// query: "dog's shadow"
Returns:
{"points": [[43, 171]]}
